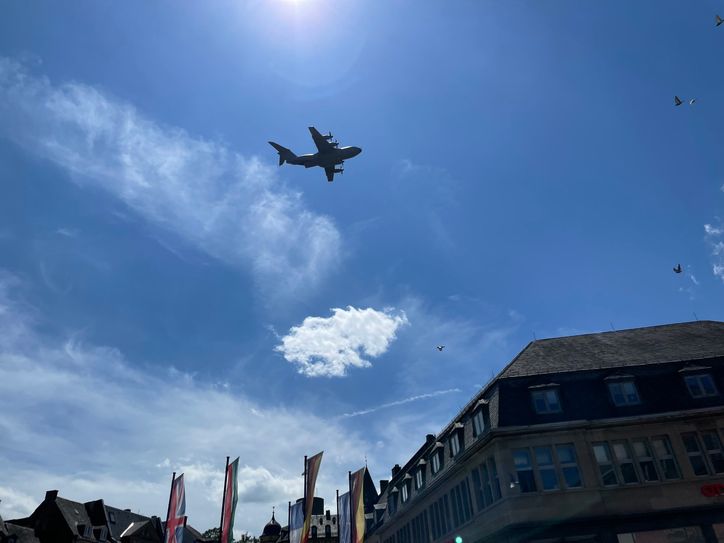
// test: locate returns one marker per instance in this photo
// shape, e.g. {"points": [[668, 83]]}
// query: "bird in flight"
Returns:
{"points": [[677, 269], [719, 21], [692, 101], [677, 101], [440, 347]]}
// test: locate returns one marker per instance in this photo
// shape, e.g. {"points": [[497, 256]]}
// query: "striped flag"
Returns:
{"points": [[229, 508], [296, 522], [176, 520], [356, 491], [311, 470]]}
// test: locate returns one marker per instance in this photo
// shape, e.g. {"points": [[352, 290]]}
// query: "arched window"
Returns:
{"points": [[314, 532], [327, 531]]}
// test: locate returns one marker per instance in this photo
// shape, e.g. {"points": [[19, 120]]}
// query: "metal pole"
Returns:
{"points": [[223, 500], [168, 512]]}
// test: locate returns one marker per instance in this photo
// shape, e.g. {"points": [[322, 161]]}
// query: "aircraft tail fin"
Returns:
{"points": [[284, 153]]}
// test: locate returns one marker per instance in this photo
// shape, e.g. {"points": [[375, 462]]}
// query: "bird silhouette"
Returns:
{"points": [[440, 347], [692, 101], [677, 101], [677, 269], [719, 21]]}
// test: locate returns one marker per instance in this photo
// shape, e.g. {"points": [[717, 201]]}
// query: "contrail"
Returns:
{"points": [[398, 402]]}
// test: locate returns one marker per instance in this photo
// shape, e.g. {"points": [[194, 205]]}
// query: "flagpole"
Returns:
{"points": [[352, 536], [338, 530], [168, 512], [223, 500], [289, 521]]}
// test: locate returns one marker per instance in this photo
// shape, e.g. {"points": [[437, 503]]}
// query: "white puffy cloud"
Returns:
{"points": [[227, 205], [82, 419], [326, 347]]}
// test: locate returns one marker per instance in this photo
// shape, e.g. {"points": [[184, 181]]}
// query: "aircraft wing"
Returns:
{"points": [[330, 174], [320, 141]]}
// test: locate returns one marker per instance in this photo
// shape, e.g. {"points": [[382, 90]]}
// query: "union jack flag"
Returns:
{"points": [[176, 511]]}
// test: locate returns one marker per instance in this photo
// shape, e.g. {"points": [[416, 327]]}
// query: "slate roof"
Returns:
{"points": [[73, 512], [635, 347], [122, 520], [23, 534]]}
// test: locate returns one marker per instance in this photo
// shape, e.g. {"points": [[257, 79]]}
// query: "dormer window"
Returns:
{"points": [[436, 458], [546, 399], [701, 385], [420, 476], [623, 391], [392, 501], [456, 439], [454, 444], [405, 491], [479, 418]]}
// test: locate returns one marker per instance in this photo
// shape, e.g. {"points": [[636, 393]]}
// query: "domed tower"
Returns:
{"points": [[271, 531]]}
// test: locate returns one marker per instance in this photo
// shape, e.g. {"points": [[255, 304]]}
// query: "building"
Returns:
{"points": [[59, 520], [613, 437], [323, 526]]}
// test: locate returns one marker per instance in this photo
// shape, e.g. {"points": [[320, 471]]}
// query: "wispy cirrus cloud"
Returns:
{"points": [[327, 346], [232, 207], [83, 419], [404, 401]]}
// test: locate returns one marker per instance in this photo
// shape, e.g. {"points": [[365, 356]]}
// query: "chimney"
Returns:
{"points": [[395, 470], [429, 438], [51, 495], [383, 485]]}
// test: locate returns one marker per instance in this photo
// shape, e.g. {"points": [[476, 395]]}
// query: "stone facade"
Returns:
{"points": [[613, 437]]}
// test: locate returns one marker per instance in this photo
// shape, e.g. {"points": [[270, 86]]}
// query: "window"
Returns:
{"points": [[546, 401], [569, 465], [667, 462], [454, 444], [701, 385], [478, 423], [112, 516], [646, 460], [524, 470], [546, 468], [712, 445], [392, 501], [622, 453], [696, 457], [404, 492], [605, 465], [420, 478], [624, 393], [328, 531], [314, 532], [435, 461], [494, 481], [460, 499]]}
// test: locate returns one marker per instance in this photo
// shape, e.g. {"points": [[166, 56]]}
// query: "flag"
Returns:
{"points": [[311, 470], [229, 509], [176, 520], [356, 492], [343, 514], [296, 522]]}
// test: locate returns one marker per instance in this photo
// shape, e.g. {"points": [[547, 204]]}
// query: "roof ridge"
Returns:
{"points": [[702, 321]]}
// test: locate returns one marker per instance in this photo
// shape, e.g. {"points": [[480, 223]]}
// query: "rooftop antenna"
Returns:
{"points": [[695, 317], [365, 460], [612, 328]]}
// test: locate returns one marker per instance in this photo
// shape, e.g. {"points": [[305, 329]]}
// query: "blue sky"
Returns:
{"points": [[169, 296]]}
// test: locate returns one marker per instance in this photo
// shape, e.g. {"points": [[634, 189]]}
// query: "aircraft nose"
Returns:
{"points": [[357, 150]]}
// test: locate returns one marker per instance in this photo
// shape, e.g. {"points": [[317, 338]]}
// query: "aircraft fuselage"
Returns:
{"points": [[327, 159]]}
